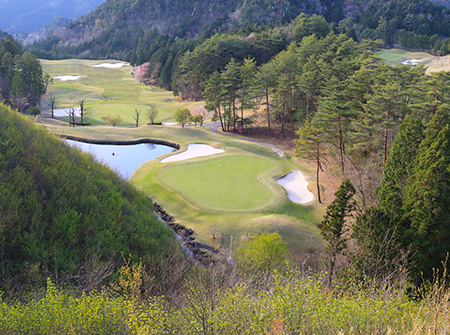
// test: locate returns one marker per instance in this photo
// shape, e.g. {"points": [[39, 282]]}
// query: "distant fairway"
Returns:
{"points": [[228, 183], [433, 63], [107, 92]]}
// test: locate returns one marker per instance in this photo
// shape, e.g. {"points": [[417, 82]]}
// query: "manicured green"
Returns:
{"points": [[107, 92], [229, 183]]}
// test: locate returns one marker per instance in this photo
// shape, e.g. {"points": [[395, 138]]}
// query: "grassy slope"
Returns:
{"points": [[433, 63], [107, 92], [191, 200]]}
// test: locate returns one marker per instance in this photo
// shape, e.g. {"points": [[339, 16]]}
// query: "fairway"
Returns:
{"points": [[107, 91], [229, 183]]}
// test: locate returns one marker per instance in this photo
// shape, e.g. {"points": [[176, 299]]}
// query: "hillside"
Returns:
{"points": [[20, 16], [65, 216], [116, 28]]}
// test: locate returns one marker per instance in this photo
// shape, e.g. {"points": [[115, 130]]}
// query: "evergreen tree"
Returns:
{"points": [[400, 163], [427, 201], [333, 227], [310, 145]]}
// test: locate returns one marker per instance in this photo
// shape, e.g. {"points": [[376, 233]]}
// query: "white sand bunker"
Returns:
{"points": [[111, 65], [193, 150], [296, 185], [65, 78], [169, 123], [65, 112], [411, 61]]}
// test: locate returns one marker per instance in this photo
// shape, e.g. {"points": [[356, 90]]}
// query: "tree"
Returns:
{"points": [[182, 116], [113, 120], [214, 93], [378, 257], [309, 145], [262, 253], [72, 115], [231, 79], [197, 118], [248, 70], [152, 113], [400, 163], [137, 114], [332, 227], [82, 109], [52, 102], [265, 81], [427, 198]]}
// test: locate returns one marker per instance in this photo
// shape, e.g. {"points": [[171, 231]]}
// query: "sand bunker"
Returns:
{"points": [[411, 61], [111, 65], [65, 78], [296, 185], [65, 112], [169, 123], [193, 150]]}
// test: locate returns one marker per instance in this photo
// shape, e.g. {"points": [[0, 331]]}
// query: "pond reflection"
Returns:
{"points": [[123, 158]]}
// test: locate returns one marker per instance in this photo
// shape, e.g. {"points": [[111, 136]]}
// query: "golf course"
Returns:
{"points": [[232, 194], [432, 63]]}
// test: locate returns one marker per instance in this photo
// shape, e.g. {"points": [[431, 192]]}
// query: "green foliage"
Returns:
{"points": [[400, 163], [261, 253], [427, 201], [63, 213], [333, 228], [289, 304], [182, 116]]}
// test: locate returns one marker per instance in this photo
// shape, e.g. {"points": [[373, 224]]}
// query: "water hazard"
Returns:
{"points": [[123, 158]]}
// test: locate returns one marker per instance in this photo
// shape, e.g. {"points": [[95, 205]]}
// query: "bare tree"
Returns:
{"points": [[72, 117], [136, 116], [82, 109], [52, 102]]}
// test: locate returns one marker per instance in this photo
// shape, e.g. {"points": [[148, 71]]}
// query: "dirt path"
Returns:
{"points": [[214, 127]]}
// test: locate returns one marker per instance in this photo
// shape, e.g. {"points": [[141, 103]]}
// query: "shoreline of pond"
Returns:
{"points": [[130, 142]]}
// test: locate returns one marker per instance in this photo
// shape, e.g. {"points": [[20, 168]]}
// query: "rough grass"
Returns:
{"points": [[433, 63], [107, 92]]}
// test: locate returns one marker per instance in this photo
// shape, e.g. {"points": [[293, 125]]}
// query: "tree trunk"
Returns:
{"points": [[385, 139], [220, 118], [317, 177], [268, 111]]}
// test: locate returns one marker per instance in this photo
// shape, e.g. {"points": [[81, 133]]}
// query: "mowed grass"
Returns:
{"points": [[107, 92], [238, 199], [227, 183], [432, 63], [186, 189]]}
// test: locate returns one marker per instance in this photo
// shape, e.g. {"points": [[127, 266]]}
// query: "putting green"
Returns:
{"points": [[107, 92], [228, 183]]}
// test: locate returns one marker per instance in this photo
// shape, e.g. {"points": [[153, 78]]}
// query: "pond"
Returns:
{"points": [[123, 158]]}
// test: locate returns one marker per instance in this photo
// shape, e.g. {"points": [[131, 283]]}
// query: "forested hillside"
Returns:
{"points": [[22, 82], [65, 216], [19, 16], [115, 28]]}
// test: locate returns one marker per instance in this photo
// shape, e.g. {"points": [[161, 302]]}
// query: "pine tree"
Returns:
{"points": [[427, 201], [400, 163], [333, 227], [310, 145]]}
